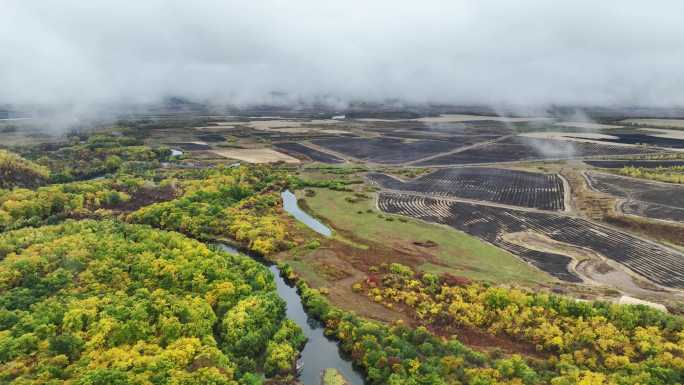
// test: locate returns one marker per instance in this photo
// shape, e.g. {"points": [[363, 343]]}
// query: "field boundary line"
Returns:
{"points": [[459, 149], [567, 194]]}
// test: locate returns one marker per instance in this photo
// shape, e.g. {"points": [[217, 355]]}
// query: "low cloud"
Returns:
{"points": [[522, 53]]}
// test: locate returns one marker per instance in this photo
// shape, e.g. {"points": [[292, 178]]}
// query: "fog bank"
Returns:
{"points": [[528, 52]]}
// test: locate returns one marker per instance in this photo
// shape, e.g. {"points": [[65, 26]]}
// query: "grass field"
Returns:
{"points": [[455, 252], [332, 376]]}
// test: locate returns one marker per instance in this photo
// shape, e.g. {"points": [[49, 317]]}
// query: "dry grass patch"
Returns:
{"points": [[256, 155], [664, 123]]}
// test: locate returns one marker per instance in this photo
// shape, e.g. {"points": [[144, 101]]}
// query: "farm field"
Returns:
{"points": [[586, 125], [489, 128], [385, 150], [498, 229], [458, 118], [636, 138], [454, 251], [313, 154], [634, 163], [257, 155], [661, 123], [643, 198], [659, 264], [447, 136], [524, 149], [441, 129], [191, 146], [518, 188]]}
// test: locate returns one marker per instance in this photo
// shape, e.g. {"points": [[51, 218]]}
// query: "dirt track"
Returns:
{"points": [[490, 221]]}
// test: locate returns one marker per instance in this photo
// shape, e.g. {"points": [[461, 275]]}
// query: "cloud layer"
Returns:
{"points": [[526, 52]]}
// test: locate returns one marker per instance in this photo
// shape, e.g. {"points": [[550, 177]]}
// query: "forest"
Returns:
{"points": [[241, 204], [17, 171], [86, 298], [576, 341], [113, 280], [103, 302], [674, 174], [94, 155]]}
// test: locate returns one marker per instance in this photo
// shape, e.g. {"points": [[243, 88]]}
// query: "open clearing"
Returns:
{"points": [[291, 126], [454, 251], [256, 155], [294, 126]]}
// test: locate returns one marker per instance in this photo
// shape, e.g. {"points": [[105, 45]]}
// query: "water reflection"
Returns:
{"points": [[319, 353], [290, 205]]}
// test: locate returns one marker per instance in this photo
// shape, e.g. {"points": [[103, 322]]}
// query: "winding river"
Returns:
{"points": [[320, 352], [290, 205]]}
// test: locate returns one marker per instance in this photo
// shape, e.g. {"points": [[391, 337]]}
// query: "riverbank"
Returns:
{"points": [[333, 376], [319, 352]]}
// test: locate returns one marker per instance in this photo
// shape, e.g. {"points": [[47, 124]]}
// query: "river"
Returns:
{"points": [[290, 205], [320, 352]]}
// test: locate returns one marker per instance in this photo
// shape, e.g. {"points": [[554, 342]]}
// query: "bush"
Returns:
{"points": [[313, 245]]}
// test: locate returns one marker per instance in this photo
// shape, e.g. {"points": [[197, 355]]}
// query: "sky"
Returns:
{"points": [[523, 52]]}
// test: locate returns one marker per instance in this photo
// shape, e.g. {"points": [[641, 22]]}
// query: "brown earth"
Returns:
{"points": [[588, 202], [354, 260], [665, 232], [483, 341], [144, 197], [601, 207]]}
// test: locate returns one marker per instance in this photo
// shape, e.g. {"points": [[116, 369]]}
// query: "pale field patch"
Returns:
{"points": [[334, 132], [217, 128], [662, 133], [664, 123], [256, 155], [282, 125], [279, 125], [457, 118], [586, 125], [627, 300], [573, 136]]}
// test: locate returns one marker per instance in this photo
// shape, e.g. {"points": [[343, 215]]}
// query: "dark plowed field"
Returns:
{"points": [[313, 154], [476, 127], [634, 163], [457, 140], [492, 128], [189, 146], [655, 262], [645, 139], [521, 148], [649, 199], [385, 150], [517, 188], [211, 137]]}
